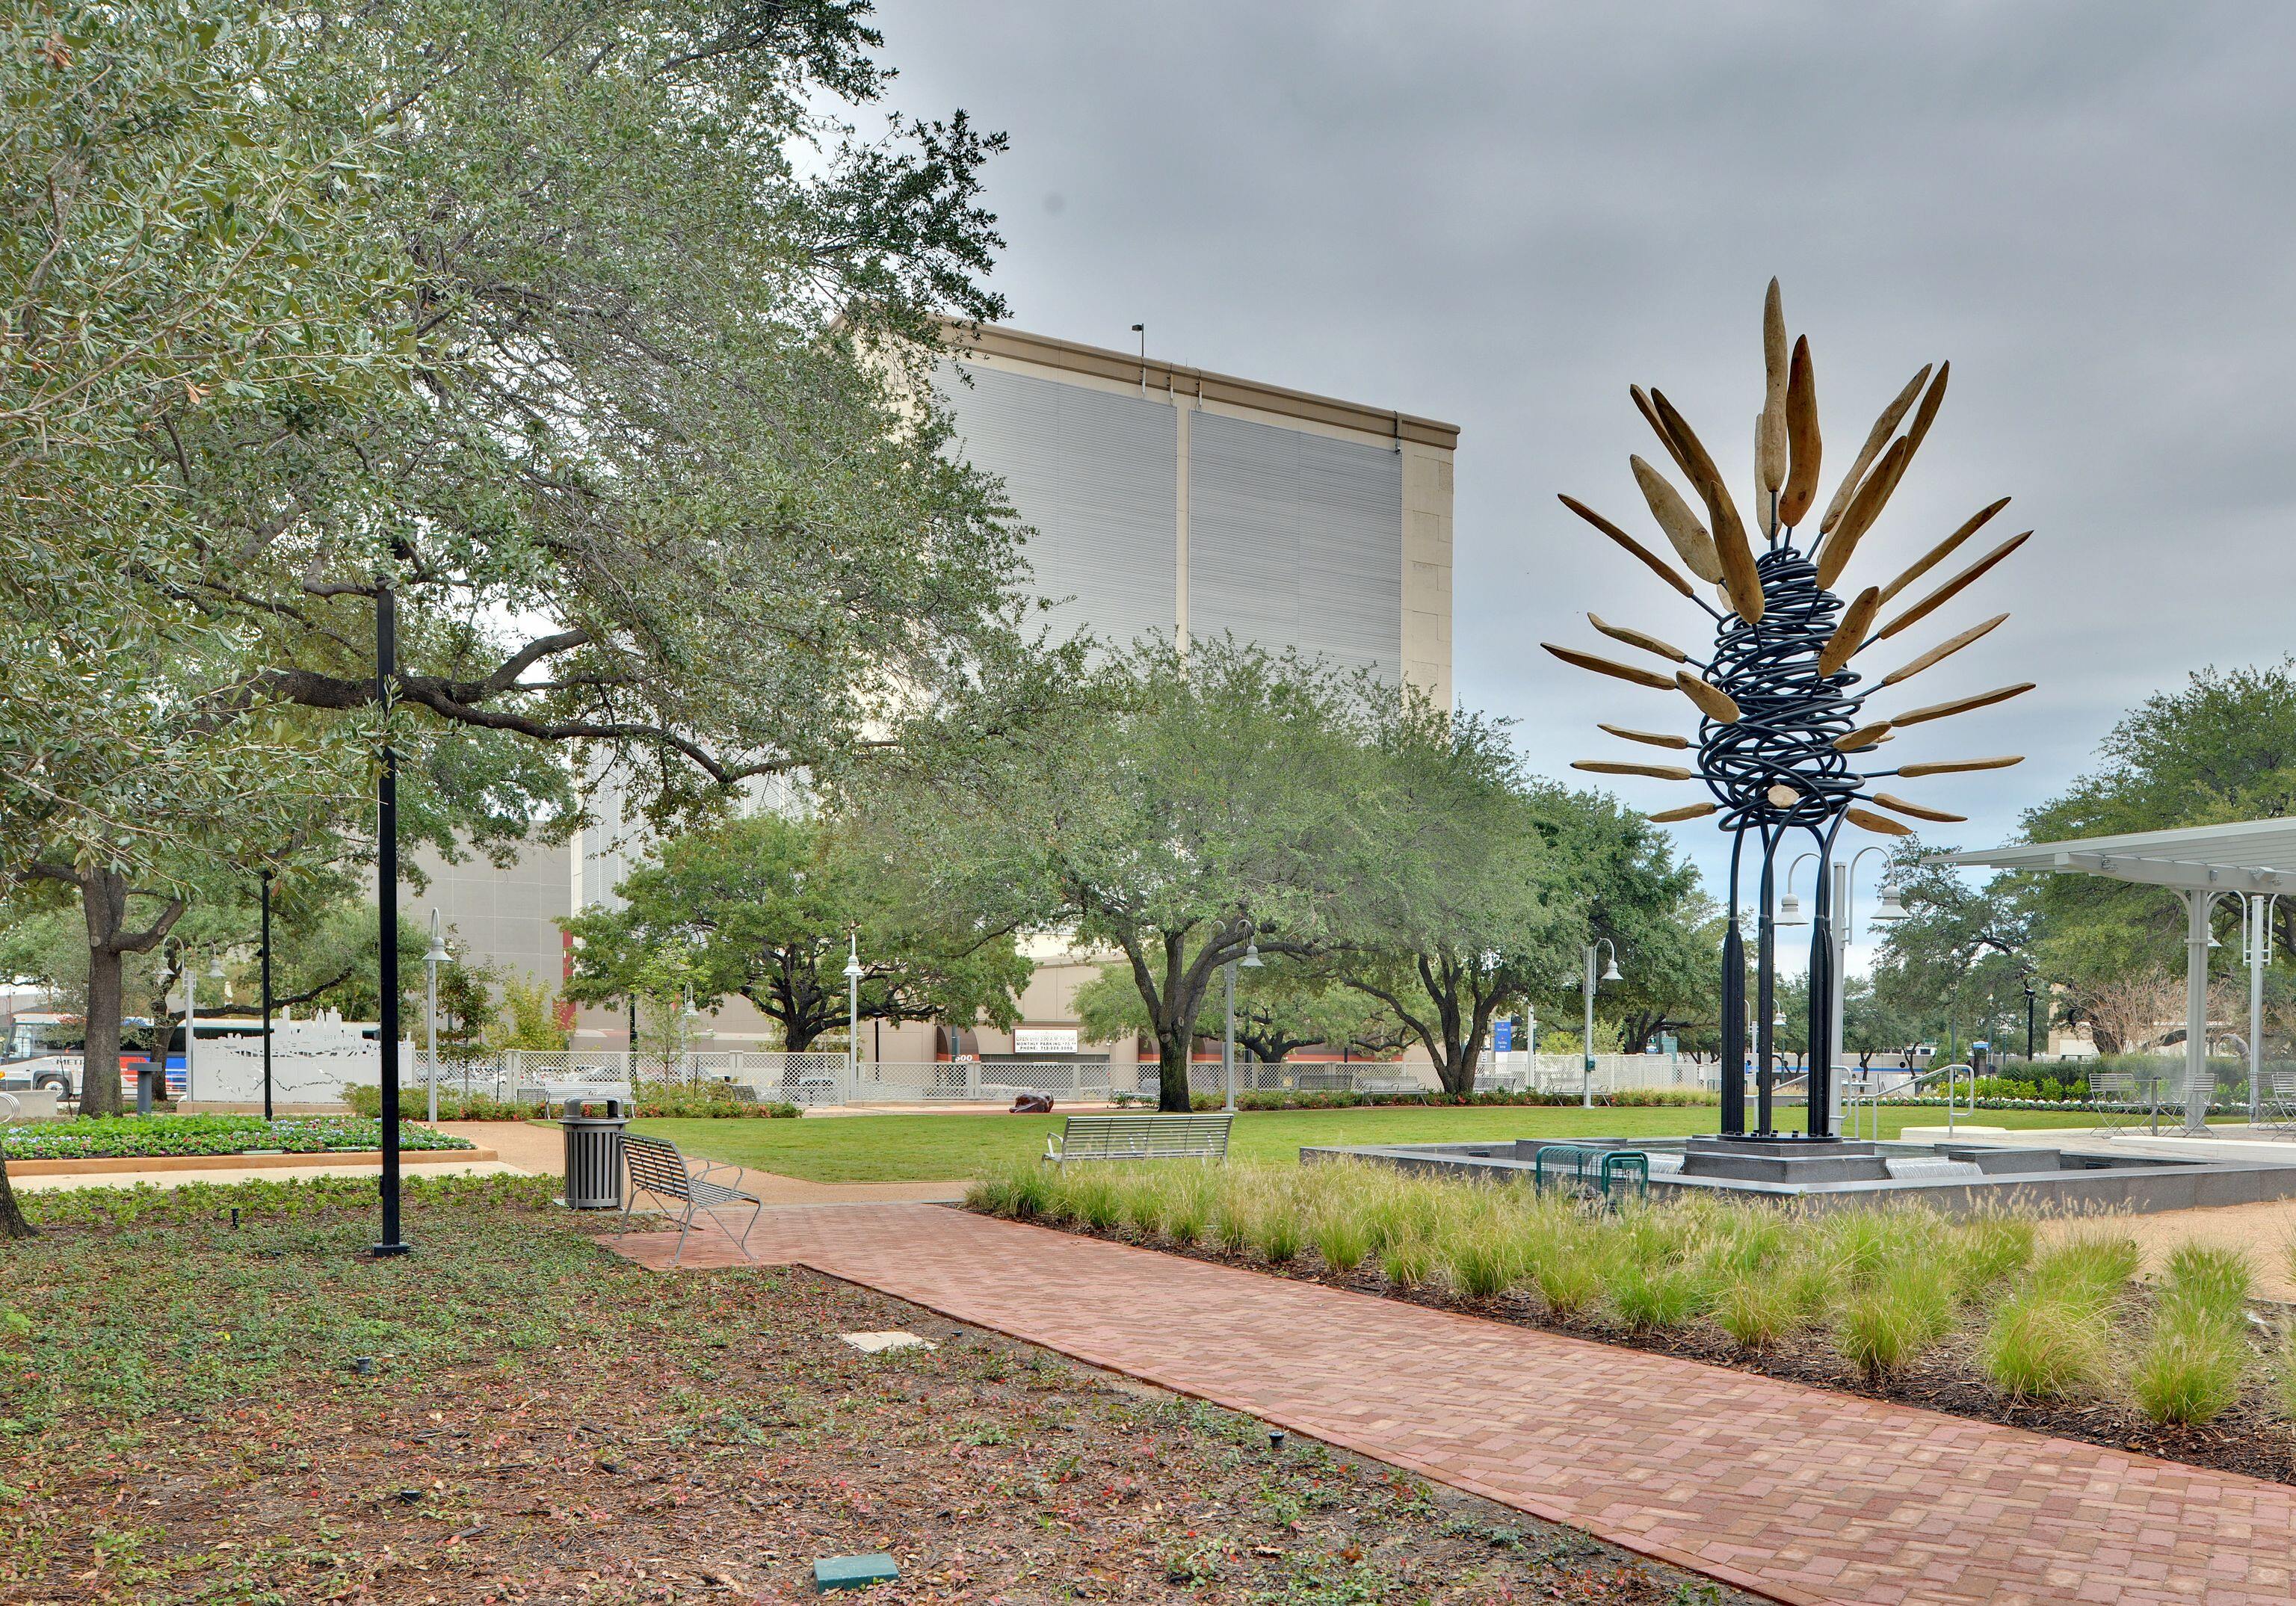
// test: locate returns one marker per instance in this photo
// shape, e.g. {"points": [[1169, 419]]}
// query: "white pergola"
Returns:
{"points": [[2254, 861]]}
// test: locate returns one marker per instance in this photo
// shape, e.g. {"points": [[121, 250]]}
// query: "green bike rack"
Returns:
{"points": [[1596, 1173]]}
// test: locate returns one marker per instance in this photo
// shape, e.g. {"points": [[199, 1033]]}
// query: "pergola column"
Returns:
{"points": [[2199, 1085]]}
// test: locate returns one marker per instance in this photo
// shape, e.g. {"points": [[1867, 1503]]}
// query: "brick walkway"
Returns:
{"points": [[1791, 1492]]}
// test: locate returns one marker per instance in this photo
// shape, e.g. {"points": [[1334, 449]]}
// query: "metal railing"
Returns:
{"points": [[1871, 1099]]}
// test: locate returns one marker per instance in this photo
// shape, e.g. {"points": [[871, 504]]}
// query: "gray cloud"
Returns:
{"points": [[1501, 215]]}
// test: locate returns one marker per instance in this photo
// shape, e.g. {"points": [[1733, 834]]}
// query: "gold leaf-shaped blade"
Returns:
{"points": [[1952, 588], [1684, 532], [1656, 772], [1926, 413], [1658, 566], [1850, 634], [1637, 638], [1803, 445], [1648, 738], [1881, 823], [1728, 530], [1712, 701], [1688, 811], [1603, 665], [1864, 508], [1658, 428], [1862, 738], [1941, 651], [1874, 441], [1943, 550], [1962, 705], [1956, 766], [1917, 811], [1770, 427]]}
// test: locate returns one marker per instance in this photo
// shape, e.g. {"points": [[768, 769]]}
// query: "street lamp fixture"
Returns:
{"points": [[1586, 1044], [853, 974], [1890, 910], [432, 958]]}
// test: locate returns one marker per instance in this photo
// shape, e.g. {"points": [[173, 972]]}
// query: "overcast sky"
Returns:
{"points": [[1499, 216]]}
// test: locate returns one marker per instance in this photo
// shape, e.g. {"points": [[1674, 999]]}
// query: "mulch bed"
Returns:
{"points": [[2250, 1438], [568, 1428]]}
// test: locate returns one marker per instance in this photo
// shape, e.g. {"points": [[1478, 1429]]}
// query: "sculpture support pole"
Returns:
{"points": [[1821, 983], [1766, 995], [1733, 1010]]}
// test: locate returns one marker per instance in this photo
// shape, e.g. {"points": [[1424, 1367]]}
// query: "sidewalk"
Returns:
{"points": [[540, 1149], [1796, 1492]]}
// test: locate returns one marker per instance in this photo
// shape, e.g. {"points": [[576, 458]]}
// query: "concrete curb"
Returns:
{"points": [[99, 1166]]}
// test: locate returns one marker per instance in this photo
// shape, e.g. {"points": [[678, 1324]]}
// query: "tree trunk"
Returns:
{"points": [[1175, 1048], [1456, 1069], [12, 1223], [99, 1080]]}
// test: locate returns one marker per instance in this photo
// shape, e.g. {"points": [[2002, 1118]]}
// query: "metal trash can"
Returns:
{"points": [[594, 1154]]}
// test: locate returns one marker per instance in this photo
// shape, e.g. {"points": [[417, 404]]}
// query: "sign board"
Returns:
{"points": [[1503, 1037], [1045, 1040]]}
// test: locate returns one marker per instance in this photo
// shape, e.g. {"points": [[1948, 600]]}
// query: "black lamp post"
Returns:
{"points": [[386, 874], [2029, 1021]]}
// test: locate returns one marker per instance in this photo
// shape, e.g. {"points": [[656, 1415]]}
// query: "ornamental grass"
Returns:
{"points": [[2061, 1321]]}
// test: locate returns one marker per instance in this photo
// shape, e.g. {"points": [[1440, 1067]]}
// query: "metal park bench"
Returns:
{"points": [[657, 1168], [1088, 1137]]}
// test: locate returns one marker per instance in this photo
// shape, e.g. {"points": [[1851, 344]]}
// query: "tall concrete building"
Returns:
{"points": [[1161, 500], [1188, 503]]}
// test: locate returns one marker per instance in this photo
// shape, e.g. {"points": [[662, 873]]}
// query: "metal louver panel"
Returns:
{"points": [[1296, 539], [1095, 475]]}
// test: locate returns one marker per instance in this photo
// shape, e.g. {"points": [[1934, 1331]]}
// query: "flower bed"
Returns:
{"points": [[112, 1137], [1982, 1316]]}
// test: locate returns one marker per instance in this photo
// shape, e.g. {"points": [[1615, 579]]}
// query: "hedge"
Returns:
{"points": [[123, 1136]]}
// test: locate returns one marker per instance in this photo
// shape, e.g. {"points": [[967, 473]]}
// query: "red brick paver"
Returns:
{"points": [[1792, 1492]]}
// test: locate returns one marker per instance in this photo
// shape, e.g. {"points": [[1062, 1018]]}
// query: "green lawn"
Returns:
{"points": [[896, 1148]]}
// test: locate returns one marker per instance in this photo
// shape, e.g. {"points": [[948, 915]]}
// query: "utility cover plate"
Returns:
{"points": [[880, 1343], [853, 1572]]}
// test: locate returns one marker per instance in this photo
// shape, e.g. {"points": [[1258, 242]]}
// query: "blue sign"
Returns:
{"points": [[1503, 1037]]}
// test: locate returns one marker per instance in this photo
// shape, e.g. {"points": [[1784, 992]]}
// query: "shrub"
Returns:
{"points": [[1569, 1279], [1755, 1309], [2190, 1370], [1894, 1317], [1095, 1198], [1342, 1240], [2216, 1282], [1481, 1263], [1277, 1233], [2041, 1345], [1407, 1262], [1648, 1297], [2090, 1268], [1987, 1251], [116, 1136]]}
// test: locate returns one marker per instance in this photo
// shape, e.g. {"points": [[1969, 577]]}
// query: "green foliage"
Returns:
{"points": [[1890, 1319], [116, 1136], [763, 905], [200, 1203], [1178, 810], [656, 1100], [2041, 1345]]}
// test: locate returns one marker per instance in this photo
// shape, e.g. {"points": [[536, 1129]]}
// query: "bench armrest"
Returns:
{"points": [[1052, 1146]]}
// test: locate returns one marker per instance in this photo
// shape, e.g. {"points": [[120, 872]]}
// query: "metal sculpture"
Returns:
{"points": [[1783, 720]]}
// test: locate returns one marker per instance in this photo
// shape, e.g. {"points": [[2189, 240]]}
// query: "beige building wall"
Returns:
{"points": [[1427, 446]]}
